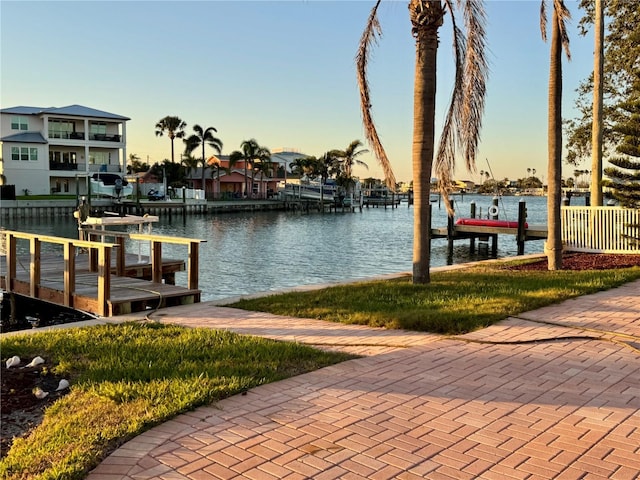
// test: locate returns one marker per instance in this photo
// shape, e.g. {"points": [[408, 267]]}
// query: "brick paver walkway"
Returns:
{"points": [[553, 394]]}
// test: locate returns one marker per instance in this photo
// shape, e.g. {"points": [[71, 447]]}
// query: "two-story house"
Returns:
{"points": [[56, 150]]}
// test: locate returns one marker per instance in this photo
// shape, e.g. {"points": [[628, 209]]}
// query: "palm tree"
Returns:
{"points": [[190, 164], [203, 137], [464, 118], [345, 161], [214, 162], [559, 40], [174, 127], [135, 165], [263, 166], [598, 103], [300, 166], [250, 152], [325, 166]]}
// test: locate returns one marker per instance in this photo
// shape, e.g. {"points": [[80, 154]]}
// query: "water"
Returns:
{"points": [[255, 252]]}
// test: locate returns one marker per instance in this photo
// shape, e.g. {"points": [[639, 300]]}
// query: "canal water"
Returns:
{"points": [[255, 252]]}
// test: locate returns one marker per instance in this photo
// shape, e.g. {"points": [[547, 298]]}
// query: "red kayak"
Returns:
{"points": [[487, 222]]}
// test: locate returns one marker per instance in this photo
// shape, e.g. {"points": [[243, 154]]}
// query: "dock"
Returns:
{"points": [[523, 232], [86, 275]]}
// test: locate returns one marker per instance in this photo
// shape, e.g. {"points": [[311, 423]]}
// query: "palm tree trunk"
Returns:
{"points": [[553, 246], [246, 180], [424, 107], [596, 128], [204, 163], [218, 176]]}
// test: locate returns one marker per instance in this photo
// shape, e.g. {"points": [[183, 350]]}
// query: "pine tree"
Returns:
{"points": [[623, 178]]}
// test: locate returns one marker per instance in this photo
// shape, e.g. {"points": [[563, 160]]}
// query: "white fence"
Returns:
{"points": [[601, 229]]}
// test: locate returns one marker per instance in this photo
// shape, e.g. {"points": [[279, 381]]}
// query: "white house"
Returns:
{"points": [[56, 150]]}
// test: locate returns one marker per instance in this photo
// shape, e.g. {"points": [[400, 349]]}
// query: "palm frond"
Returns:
{"points": [[475, 79], [563, 16], [369, 38], [464, 117], [444, 163], [543, 19]]}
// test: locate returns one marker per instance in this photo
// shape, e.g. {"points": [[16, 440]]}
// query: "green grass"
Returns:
{"points": [[126, 378], [46, 197], [455, 301]]}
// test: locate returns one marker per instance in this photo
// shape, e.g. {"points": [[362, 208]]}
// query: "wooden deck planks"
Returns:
{"points": [[131, 293]]}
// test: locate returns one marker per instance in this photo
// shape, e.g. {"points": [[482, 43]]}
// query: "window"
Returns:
{"points": [[62, 157], [99, 158], [98, 130], [19, 123], [60, 128], [24, 153]]}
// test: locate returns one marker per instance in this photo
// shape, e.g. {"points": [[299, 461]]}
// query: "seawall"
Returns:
{"points": [[56, 208]]}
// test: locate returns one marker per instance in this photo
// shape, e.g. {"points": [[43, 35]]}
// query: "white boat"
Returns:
{"points": [[110, 185], [313, 190]]}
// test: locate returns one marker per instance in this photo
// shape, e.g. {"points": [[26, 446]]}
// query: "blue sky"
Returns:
{"points": [[282, 72]]}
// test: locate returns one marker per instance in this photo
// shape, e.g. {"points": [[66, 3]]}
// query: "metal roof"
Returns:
{"points": [[69, 110], [29, 137]]}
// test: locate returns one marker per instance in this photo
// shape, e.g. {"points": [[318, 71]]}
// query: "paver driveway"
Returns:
{"points": [[553, 394]]}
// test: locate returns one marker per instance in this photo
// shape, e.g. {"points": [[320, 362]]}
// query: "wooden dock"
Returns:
{"points": [[522, 232], [97, 281]]}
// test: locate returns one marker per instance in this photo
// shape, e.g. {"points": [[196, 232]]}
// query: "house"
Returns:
{"points": [[56, 150], [223, 181]]}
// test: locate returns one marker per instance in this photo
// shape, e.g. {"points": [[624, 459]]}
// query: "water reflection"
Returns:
{"points": [[255, 252]]}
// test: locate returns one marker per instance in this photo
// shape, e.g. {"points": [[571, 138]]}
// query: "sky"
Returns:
{"points": [[282, 72]]}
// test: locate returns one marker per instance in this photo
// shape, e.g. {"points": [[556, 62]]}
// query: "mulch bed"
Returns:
{"points": [[585, 261]]}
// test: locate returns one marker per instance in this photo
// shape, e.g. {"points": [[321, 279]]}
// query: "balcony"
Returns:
{"points": [[67, 135], [102, 137], [115, 168], [62, 166]]}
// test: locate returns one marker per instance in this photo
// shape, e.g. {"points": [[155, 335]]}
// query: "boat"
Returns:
{"points": [[488, 222], [110, 185]]}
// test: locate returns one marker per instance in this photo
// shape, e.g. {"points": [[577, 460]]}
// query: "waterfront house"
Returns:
{"points": [[56, 150], [223, 182]]}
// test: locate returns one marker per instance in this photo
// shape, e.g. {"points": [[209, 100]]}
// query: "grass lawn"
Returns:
{"points": [[456, 301], [46, 197]]}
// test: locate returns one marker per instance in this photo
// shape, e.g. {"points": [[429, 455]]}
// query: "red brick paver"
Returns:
{"points": [[554, 393]]}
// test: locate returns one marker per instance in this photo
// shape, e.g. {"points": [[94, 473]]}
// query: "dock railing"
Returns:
{"points": [[155, 252], [100, 255], [601, 229], [69, 246], [193, 246]]}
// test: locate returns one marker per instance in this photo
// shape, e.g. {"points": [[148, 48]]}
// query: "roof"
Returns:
{"points": [[287, 156], [22, 110], [29, 137], [70, 110]]}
